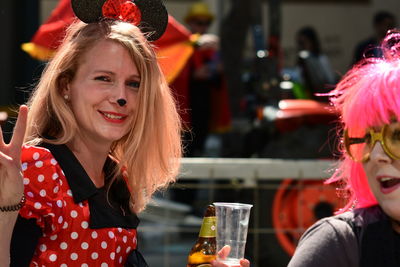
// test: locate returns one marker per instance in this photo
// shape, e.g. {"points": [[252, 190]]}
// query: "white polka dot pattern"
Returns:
{"points": [[84, 225], [74, 256], [94, 234], [36, 156], [111, 234], [53, 257], [39, 164], [42, 193], [24, 166], [63, 245], [74, 235], [40, 178], [67, 239], [84, 245], [74, 214]]}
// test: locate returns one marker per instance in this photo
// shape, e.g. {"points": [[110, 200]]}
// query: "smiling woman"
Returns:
{"points": [[106, 75], [367, 232], [102, 135]]}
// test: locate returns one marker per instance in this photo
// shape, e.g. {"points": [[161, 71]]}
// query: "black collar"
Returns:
{"points": [[81, 185], [108, 208]]}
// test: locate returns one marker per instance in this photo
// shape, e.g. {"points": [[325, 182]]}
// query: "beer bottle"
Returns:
{"points": [[205, 249]]}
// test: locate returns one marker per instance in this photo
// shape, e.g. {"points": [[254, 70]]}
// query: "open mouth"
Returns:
{"points": [[389, 184]]}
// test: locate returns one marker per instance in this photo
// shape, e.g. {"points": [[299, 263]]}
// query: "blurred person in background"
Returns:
{"points": [[366, 232], [382, 22], [315, 71], [208, 97]]}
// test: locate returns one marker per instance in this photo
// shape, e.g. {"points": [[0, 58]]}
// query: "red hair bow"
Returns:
{"points": [[124, 10]]}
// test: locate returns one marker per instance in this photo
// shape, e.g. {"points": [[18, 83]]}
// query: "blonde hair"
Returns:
{"points": [[150, 153]]}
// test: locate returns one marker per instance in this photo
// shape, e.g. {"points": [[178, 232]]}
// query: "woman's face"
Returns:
{"points": [[383, 173], [106, 73]]}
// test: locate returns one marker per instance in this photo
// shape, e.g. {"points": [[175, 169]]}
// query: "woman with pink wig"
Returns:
{"points": [[366, 232]]}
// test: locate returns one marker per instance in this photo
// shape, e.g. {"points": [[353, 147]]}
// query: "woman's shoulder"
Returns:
{"points": [[330, 241], [38, 165], [43, 183], [31, 153], [337, 228]]}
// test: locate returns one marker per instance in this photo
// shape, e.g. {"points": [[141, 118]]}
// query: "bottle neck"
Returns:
{"points": [[208, 227]]}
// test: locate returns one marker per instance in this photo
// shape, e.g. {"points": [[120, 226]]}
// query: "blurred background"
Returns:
{"points": [[247, 86]]}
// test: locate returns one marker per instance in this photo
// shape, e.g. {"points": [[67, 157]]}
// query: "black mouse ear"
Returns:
{"points": [[153, 14], [88, 11], [154, 18]]}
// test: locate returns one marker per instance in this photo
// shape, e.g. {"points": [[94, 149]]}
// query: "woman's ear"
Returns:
{"points": [[63, 86]]}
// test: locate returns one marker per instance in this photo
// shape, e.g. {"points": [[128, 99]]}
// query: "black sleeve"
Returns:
{"points": [[24, 240], [329, 243]]}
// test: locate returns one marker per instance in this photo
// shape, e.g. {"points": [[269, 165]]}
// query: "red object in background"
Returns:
{"points": [[294, 209], [295, 202], [294, 113], [50, 35]]}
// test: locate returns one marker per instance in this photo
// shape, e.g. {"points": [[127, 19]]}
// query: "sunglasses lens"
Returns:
{"points": [[391, 138], [358, 147], [359, 151]]}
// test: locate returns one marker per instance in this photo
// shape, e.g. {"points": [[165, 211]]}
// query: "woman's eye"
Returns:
{"points": [[102, 78], [134, 84], [396, 135]]}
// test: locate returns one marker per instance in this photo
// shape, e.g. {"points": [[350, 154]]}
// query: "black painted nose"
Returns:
{"points": [[121, 102]]}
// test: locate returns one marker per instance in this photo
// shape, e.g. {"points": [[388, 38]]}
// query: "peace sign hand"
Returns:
{"points": [[11, 180]]}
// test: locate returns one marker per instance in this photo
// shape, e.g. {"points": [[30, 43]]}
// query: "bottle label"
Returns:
{"points": [[208, 227]]}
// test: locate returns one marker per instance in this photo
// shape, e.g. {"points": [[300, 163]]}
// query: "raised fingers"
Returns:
{"points": [[20, 128], [2, 144]]}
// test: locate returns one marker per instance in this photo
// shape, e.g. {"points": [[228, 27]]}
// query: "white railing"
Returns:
{"points": [[253, 169]]}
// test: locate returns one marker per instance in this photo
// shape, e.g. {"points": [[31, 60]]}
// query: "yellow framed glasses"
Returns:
{"points": [[359, 148]]}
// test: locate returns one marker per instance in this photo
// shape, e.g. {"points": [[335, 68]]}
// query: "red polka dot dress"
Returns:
{"points": [[78, 227]]}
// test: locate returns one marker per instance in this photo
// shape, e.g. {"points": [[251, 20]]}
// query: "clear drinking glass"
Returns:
{"points": [[232, 226]]}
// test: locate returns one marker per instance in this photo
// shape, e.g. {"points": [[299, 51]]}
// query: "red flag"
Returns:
{"points": [[50, 35], [173, 49]]}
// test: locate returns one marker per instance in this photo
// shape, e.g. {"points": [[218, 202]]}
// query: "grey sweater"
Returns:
{"points": [[335, 241]]}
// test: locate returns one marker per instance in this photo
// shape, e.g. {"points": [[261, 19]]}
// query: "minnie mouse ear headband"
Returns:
{"points": [[150, 16]]}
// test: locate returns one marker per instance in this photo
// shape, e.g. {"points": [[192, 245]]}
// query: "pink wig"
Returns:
{"points": [[367, 96]]}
